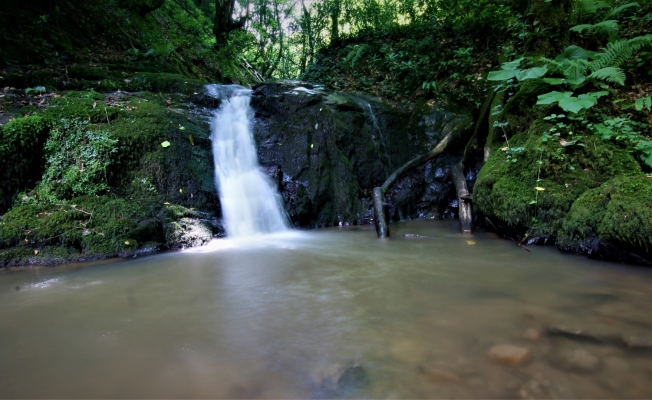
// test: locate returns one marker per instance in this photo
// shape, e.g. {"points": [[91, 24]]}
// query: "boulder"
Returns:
{"points": [[328, 150]]}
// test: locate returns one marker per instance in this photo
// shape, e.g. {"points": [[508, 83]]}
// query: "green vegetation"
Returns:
{"points": [[95, 110]]}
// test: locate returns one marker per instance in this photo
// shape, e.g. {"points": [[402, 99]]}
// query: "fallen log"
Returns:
{"points": [[380, 215]]}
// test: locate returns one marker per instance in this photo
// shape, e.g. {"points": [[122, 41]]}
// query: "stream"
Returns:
{"points": [[329, 313]]}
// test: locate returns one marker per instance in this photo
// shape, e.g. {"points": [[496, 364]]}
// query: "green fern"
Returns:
{"points": [[606, 28], [609, 74], [618, 52], [575, 70], [617, 10], [585, 8]]}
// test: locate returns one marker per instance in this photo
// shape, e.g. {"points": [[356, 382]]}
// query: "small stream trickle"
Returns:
{"points": [[250, 204]]}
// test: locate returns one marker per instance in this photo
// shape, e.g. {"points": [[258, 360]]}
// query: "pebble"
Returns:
{"points": [[569, 356], [637, 341], [438, 375], [507, 354], [532, 334], [536, 389]]}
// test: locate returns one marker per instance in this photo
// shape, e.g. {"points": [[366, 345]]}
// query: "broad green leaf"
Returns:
{"points": [[575, 105], [512, 65], [643, 102], [588, 99], [581, 28], [165, 144], [599, 94], [501, 75], [604, 132], [572, 53], [554, 81], [531, 73], [552, 97], [576, 82]]}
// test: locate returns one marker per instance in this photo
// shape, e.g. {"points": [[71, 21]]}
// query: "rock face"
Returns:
{"points": [[328, 150]]}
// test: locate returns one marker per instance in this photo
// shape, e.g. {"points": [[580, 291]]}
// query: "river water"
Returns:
{"points": [[291, 315]]}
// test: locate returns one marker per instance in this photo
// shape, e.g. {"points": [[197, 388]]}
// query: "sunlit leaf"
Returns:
{"points": [[165, 144]]}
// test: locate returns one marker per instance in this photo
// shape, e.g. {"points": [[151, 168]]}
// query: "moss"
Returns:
{"points": [[163, 82], [618, 213], [505, 188], [92, 227], [21, 150], [86, 72]]}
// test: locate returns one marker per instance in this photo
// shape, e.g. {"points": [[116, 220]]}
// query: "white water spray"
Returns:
{"points": [[250, 204]]}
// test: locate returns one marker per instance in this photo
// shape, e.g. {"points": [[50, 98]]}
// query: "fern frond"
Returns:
{"points": [[575, 69], [615, 55], [609, 74], [584, 8], [552, 64], [615, 11], [640, 41], [589, 6], [607, 28], [581, 28]]}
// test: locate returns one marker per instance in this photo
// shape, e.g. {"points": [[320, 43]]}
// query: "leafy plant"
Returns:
{"points": [[76, 160]]}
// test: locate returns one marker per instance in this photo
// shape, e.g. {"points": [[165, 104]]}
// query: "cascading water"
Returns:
{"points": [[250, 204]]}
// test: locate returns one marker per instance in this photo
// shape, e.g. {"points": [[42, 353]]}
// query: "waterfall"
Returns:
{"points": [[250, 204]]}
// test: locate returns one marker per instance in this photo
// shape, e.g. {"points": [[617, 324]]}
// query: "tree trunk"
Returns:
{"points": [[223, 24], [379, 192], [335, 20], [463, 198]]}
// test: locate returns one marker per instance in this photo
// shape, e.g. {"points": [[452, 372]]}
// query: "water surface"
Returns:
{"points": [[282, 317]]}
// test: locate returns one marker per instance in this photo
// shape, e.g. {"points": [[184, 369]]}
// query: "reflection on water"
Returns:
{"points": [[330, 313]]}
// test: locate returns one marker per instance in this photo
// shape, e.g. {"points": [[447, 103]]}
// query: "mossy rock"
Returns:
{"points": [[505, 190], [164, 82], [612, 221], [96, 227], [187, 232], [21, 156]]}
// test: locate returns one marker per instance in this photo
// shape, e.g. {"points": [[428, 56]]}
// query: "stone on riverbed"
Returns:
{"points": [[570, 356], [339, 381], [439, 375], [507, 354]]}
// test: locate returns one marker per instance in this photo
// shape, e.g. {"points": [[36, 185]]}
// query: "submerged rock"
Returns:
{"points": [[570, 356], [507, 354], [339, 381], [439, 375], [538, 388]]}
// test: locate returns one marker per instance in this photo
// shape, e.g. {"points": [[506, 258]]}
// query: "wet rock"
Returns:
{"points": [[509, 355], [640, 341], [187, 232], [636, 313], [537, 389], [333, 148], [339, 381], [532, 334], [570, 356], [580, 334]]}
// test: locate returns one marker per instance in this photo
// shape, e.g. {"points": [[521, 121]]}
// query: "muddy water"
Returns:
{"points": [[329, 313]]}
